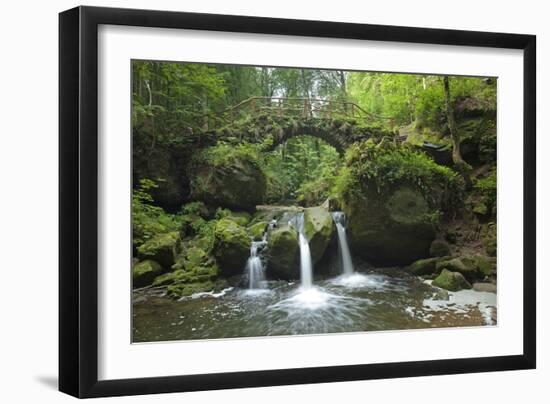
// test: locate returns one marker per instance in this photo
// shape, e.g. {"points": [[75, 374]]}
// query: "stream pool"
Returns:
{"points": [[389, 299]]}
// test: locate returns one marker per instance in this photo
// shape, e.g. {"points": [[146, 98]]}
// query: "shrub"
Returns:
{"points": [[147, 219], [387, 164]]}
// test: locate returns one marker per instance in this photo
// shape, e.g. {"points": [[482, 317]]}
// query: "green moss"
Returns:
{"points": [[231, 246], [467, 266], [241, 218], [381, 167], [452, 281], [162, 248], [284, 251], [149, 220], [318, 228], [486, 265], [425, 266], [257, 230], [229, 176], [144, 272]]}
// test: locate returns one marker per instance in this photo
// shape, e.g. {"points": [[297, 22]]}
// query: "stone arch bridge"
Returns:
{"points": [[277, 119]]}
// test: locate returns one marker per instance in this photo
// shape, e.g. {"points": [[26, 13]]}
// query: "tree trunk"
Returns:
{"points": [[462, 167]]}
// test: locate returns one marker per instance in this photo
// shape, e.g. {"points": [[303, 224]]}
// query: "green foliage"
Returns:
{"points": [[485, 193], [401, 99], [385, 165], [149, 220], [303, 169]]}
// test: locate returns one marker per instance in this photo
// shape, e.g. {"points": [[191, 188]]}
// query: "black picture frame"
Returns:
{"points": [[78, 201]]}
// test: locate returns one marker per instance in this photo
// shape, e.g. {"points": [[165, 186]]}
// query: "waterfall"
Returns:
{"points": [[345, 256], [306, 266], [255, 267]]}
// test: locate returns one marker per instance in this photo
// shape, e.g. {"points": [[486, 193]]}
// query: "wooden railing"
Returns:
{"points": [[298, 107]]}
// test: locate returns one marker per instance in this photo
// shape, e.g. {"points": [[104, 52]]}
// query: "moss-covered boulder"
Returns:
{"points": [[228, 179], [162, 248], [257, 230], [284, 252], [241, 218], [394, 227], [452, 281], [231, 246], [439, 248], [318, 229], [144, 272], [425, 266], [194, 271], [393, 197], [467, 266]]}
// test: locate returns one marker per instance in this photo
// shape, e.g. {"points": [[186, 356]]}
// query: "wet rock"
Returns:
{"points": [[162, 248], [452, 281], [485, 287], [284, 252], [144, 272], [318, 229]]}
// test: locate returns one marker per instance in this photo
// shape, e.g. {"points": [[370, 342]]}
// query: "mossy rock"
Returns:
{"points": [[393, 227], [179, 290], [284, 252], [194, 266], [162, 248], [237, 183], [425, 266], [144, 272], [439, 248], [318, 229], [453, 281], [257, 230], [466, 266], [241, 218], [231, 246]]}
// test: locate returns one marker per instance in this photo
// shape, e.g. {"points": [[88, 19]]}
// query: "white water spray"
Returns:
{"points": [[306, 266], [255, 267], [345, 255]]}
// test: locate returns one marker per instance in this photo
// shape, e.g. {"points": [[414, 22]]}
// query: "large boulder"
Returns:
{"points": [[467, 266], [284, 252], [318, 229], [231, 246], [162, 248], [236, 183], [144, 272], [452, 281], [195, 271], [425, 266], [392, 227]]}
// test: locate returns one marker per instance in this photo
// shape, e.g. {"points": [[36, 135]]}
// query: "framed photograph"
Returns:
{"points": [[251, 201]]}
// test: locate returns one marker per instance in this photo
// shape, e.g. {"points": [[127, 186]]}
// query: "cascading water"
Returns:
{"points": [[255, 267], [306, 267], [345, 255]]}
